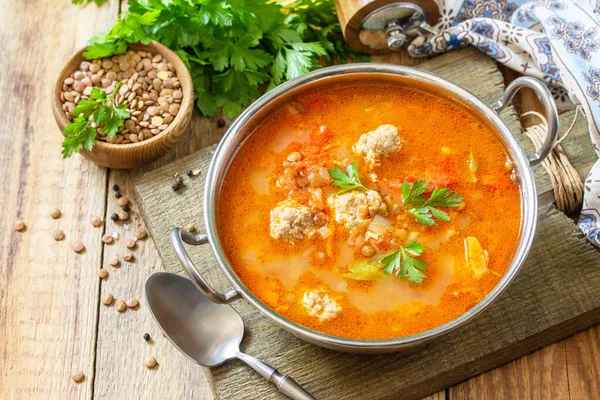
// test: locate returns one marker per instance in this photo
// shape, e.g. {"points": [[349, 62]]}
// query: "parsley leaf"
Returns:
{"points": [[347, 182], [96, 112], [403, 263], [234, 49], [426, 211]]}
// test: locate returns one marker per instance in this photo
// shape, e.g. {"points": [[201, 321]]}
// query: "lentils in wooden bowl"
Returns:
{"points": [[156, 88]]}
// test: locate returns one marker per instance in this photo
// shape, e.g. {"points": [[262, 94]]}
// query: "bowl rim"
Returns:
{"points": [[528, 194], [183, 74]]}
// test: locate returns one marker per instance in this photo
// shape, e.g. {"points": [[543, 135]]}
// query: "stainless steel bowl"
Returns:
{"points": [[371, 72]]}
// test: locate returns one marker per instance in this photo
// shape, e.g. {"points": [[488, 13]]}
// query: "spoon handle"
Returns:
{"points": [[284, 383]]}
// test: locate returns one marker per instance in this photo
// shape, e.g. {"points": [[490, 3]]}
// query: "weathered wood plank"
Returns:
{"points": [[121, 349], [48, 293]]}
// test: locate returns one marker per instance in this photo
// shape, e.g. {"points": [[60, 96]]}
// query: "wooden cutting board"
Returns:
{"points": [[556, 294]]}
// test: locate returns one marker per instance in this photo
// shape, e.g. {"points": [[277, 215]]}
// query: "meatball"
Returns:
{"points": [[318, 304], [356, 208], [291, 220], [380, 142]]}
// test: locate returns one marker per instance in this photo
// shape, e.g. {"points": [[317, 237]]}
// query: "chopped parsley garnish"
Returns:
{"points": [[96, 112], [347, 182], [427, 211], [403, 263]]}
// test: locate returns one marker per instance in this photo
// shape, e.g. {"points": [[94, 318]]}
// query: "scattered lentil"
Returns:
{"points": [[19, 225], [146, 336], [107, 238], [150, 362], [179, 180], [55, 213], [78, 247], [115, 217], [108, 299], [175, 187], [118, 195], [116, 188], [128, 257], [114, 261], [190, 228], [102, 273], [132, 303], [96, 222], [221, 123], [120, 306], [58, 235], [123, 215], [126, 208], [123, 201], [189, 172], [130, 244], [140, 233], [78, 376], [196, 172]]}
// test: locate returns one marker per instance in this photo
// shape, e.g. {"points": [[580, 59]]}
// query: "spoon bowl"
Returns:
{"points": [[208, 333]]}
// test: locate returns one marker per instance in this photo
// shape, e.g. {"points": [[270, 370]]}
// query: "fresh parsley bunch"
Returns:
{"points": [[233, 48]]}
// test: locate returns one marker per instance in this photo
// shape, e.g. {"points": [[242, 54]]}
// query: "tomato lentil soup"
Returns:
{"points": [[295, 241]]}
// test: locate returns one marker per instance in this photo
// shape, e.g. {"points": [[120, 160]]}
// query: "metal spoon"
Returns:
{"points": [[208, 333]]}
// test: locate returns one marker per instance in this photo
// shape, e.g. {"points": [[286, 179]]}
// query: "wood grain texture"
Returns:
{"points": [[121, 349], [414, 373], [48, 293], [125, 156], [539, 376]]}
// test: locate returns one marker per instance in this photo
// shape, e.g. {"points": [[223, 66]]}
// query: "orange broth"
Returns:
{"points": [[438, 140]]}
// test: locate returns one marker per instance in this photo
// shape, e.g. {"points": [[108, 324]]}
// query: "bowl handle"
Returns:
{"points": [[547, 100], [178, 236]]}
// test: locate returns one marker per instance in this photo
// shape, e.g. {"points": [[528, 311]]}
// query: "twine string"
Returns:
{"points": [[566, 182]]}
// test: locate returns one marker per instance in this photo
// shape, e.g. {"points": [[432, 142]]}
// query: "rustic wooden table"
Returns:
{"points": [[52, 322]]}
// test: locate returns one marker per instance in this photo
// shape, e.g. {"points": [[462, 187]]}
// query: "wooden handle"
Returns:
{"points": [[351, 14]]}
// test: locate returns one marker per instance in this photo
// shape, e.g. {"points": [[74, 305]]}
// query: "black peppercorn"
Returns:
{"points": [[115, 217], [118, 195], [126, 208], [175, 187], [179, 181], [146, 336], [116, 188], [189, 172], [221, 123]]}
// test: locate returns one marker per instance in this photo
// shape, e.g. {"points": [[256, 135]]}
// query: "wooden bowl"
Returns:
{"points": [[131, 155]]}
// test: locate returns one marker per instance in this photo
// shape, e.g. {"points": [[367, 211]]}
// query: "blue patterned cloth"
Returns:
{"points": [[557, 41]]}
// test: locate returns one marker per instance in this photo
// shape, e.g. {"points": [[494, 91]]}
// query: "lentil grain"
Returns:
{"points": [[108, 299], [58, 235], [132, 303], [19, 225], [78, 376], [120, 306], [140, 233], [150, 362], [78, 247], [55, 213]]}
